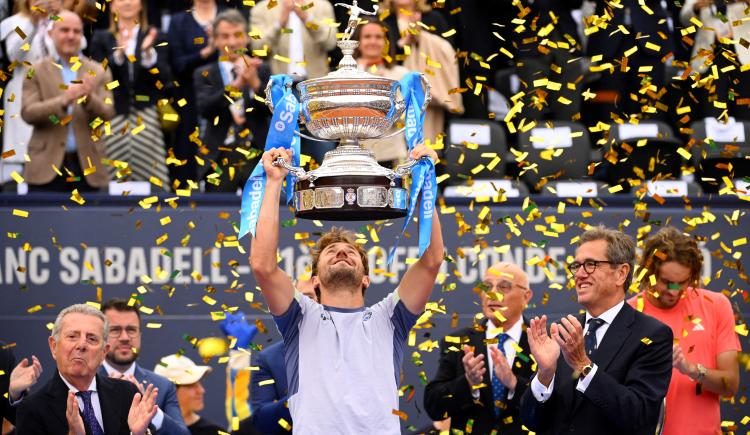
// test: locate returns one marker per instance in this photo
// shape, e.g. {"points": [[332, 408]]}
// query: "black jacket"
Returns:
{"points": [[634, 366], [43, 412], [7, 364], [449, 394], [212, 103], [140, 90]]}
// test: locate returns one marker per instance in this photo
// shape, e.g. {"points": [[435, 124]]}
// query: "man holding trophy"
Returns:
{"points": [[343, 359]]}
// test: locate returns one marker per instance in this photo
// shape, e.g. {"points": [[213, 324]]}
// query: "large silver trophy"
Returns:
{"points": [[350, 105]]}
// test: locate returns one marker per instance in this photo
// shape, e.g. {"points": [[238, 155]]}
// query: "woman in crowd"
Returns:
{"points": [[28, 26], [402, 17], [375, 55], [430, 54], [190, 46], [187, 376], [134, 54]]}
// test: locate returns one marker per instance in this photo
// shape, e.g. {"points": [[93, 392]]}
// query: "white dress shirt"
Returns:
{"points": [[542, 393], [94, 399], [159, 417]]}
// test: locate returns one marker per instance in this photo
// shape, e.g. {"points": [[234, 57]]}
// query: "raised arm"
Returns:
{"points": [[276, 286], [418, 281]]}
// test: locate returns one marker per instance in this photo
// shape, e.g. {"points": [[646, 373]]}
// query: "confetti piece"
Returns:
{"points": [[20, 213], [112, 85]]}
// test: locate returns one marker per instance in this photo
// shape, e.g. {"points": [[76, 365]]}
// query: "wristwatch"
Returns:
{"points": [[702, 372], [585, 370]]}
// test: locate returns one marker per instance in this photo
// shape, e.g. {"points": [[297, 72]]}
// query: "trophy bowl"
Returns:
{"points": [[350, 105]]}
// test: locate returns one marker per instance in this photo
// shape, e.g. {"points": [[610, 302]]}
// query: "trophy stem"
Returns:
{"points": [[349, 144]]}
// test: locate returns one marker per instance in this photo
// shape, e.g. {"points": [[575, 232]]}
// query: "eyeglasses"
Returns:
{"points": [[501, 287], [116, 331], [588, 265]]}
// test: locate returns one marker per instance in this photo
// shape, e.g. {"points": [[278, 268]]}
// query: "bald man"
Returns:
{"points": [[482, 378]]}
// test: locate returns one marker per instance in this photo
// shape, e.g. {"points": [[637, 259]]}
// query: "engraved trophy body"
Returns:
{"points": [[349, 105]]}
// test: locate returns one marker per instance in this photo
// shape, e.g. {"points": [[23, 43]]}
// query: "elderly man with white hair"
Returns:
{"points": [[78, 401]]}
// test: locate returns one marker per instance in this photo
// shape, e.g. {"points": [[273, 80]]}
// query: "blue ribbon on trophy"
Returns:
{"points": [[423, 174], [283, 133]]}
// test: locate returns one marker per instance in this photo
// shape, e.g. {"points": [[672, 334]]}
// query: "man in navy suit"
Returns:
{"points": [[607, 372], [269, 400], [124, 347]]}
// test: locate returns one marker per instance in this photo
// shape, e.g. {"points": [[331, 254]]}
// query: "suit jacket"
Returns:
{"points": [[143, 82], [7, 364], [213, 102], [650, 26], [706, 35], [166, 400], [43, 108], [449, 393], [269, 401], [634, 363], [43, 412], [318, 37]]}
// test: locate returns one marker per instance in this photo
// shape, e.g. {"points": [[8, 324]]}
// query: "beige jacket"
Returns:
{"points": [[392, 148], [43, 98], [706, 35], [318, 38], [442, 79]]}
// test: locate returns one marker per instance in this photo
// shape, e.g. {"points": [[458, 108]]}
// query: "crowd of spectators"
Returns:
{"points": [[187, 90]]}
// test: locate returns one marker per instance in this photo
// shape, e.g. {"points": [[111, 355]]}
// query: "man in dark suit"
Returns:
{"points": [[15, 380], [645, 44], [484, 382], [610, 375], [236, 123], [124, 339], [77, 400]]}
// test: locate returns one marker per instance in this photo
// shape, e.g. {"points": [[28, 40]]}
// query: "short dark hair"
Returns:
{"points": [[231, 16], [122, 306], [620, 247]]}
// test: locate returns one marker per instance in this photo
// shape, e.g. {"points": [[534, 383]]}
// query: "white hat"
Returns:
{"points": [[180, 369]]}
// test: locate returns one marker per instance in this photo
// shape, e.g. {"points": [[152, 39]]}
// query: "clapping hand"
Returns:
{"points": [[680, 362], [142, 410], [23, 377], [569, 335], [502, 369], [148, 41], [546, 351], [73, 415], [474, 366]]}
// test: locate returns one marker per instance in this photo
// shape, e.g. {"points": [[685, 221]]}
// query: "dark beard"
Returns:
{"points": [[113, 359], [342, 278]]}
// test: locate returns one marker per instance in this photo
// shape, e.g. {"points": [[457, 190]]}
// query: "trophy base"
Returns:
{"points": [[350, 198]]}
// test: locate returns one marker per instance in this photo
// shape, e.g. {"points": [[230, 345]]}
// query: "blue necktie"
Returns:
{"points": [[498, 389], [590, 338], [89, 418]]}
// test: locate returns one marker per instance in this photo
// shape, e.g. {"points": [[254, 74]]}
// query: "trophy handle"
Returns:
{"points": [[298, 172], [406, 168], [269, 103]]}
